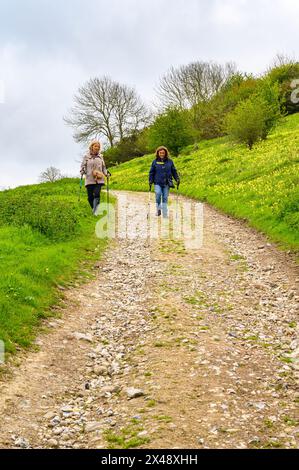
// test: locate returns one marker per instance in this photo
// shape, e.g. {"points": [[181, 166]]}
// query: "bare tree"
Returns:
{"points": [[131, 114], [191, 84], [171, 90], [104, 108], [50, 175], [281, 59]]}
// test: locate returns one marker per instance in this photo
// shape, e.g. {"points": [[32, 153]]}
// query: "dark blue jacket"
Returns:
{"points": [[162, 171]]}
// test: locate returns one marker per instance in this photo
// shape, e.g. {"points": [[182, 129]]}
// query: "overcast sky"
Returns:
{"points": [[48, 48]]}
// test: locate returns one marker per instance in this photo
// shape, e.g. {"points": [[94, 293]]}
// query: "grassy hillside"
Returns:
{"points": [[47, 238], [260, 186]]}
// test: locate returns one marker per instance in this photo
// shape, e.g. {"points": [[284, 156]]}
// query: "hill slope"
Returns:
{"points": [[260, 186]]}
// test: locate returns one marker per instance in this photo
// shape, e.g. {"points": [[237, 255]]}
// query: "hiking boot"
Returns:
{"points": [[96, 203], [159, 212]]}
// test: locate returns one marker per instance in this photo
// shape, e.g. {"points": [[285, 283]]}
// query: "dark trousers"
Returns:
{"points": [[93, 192]]}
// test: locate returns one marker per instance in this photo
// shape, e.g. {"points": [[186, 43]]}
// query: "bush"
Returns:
{"points": [[290, 210], [172, 129], [246, 124], [253, 119], [56, 216], [128, 148], [239, 88], [209, 116], [284, 75], [269, 94]]}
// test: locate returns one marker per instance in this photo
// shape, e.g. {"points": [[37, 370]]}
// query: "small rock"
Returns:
{"points": [[55, 422], [83, 337], [134, 393], [58, 431], [53, 443], [66, 409], [93, 426], [100, 370], [111, 389], [260, 406], [50, 415], [216, 338], [61, 288], [22, 443]]}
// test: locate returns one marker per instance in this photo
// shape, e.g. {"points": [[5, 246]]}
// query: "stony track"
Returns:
{"points": [[168, 347]]}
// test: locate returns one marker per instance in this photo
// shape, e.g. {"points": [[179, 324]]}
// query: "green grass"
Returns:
{"points": [[42, 247], [260, 186], [127, 438], [164, 418]]}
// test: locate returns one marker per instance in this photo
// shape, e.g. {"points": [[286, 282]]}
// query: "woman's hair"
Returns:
{"points": [[162, 148], [93, 143]]}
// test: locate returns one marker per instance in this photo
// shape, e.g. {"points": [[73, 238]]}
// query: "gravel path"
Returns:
{"points": [[168, 347]]}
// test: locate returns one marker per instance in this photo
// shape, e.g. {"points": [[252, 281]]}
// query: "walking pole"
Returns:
{"points": [[108, 195], [149, 202], [80, 190], [177, 200]]}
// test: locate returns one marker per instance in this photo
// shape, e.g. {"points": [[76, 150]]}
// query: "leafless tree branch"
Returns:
{"points": [[106, 109], [191, 84], [50, 175]]}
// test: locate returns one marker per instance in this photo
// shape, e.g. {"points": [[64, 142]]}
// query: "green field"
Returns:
{"points": [[260, 186], [47, 240]]}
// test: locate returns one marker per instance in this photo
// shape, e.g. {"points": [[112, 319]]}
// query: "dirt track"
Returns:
{"points": [[208, 336]]}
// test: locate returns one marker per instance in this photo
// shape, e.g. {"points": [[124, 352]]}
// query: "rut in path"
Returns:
{"points": [[208, 338]]}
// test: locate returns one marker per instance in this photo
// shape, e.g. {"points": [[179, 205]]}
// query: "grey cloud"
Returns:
{"points": [[48, 48]]}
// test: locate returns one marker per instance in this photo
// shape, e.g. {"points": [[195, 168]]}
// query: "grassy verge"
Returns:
{"points": [[260, 186], [47, 239]]}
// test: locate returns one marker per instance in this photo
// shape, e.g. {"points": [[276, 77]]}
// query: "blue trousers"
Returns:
{"points": [[162, 193]]}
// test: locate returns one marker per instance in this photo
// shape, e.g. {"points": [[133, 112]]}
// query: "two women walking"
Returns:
{"points": [[161, 173]]}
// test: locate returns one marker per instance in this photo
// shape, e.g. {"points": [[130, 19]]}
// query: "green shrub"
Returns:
{"points": [[128, 148], [173, 129], [255, 117], [57, 219], [284, 75], [269, 94], [246, 124], [208, 116]]}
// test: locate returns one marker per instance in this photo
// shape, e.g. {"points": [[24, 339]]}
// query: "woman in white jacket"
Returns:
{"points": [[94, 169]]}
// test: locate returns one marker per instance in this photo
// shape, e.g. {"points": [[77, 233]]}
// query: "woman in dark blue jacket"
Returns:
{"points": [[161, 173]]}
